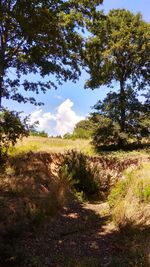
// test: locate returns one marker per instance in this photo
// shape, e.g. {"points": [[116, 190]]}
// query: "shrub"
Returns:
{"points": [[82, 176], [11, 128]]}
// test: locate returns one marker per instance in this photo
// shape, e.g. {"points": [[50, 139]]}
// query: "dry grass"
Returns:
{"points": [[30, 193], [54, 145], [58, 145], [130, 198]]}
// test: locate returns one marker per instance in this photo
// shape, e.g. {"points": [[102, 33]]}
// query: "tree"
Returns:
{"points": [[134, 109], [34, 132], [137, 116], [118, 50], [40, 37], [107, 133], [84, 129]]}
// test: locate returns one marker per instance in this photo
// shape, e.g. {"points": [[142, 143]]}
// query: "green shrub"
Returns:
{"points": [[108, 133], [11, 129], [38, 133], [83, 177]]}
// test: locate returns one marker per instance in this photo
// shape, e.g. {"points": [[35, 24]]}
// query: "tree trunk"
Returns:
{"points": [[122, 106], [121, 141], [1, 89]]}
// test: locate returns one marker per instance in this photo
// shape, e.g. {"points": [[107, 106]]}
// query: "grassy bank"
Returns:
{"points": [[130, 198]]}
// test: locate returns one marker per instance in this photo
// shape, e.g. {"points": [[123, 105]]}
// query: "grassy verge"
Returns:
{"points": [[130, 198]]}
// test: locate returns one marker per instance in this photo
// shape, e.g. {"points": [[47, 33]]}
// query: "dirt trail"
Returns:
{"points": [[81, 235]]}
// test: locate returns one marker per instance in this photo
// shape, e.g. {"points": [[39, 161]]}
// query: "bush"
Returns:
{"points": [[11, 128], [83, 177], [118, 193]]}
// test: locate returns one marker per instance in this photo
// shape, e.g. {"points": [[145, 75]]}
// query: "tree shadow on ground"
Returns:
{"points": [[127, 147], [79, 237]]}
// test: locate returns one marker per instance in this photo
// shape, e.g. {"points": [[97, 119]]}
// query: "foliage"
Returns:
{"points": [[11, 129], [118, 192], [136, 124], [83, 130], [81, 175], [38, 133], [108, 133], [118, 50], [40, 38]]}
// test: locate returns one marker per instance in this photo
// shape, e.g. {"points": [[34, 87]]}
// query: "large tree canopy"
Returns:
{"points": [[40, 37], [137, 116], [118, 50]]}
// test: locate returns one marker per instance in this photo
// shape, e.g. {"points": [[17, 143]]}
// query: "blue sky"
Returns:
{"points": [[70, 103]]}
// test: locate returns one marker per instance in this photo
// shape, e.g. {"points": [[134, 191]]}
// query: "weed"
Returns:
{"points": [[143, 191]]}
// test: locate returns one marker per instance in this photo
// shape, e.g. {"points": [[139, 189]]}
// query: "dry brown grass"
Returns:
{"points": [[51, 145], [130, 198]]}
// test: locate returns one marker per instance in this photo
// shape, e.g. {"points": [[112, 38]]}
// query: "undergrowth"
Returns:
{"points": [[83, 178]]}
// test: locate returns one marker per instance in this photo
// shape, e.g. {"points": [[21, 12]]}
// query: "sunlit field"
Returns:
{"points": [[55, 145], [60, 145]]}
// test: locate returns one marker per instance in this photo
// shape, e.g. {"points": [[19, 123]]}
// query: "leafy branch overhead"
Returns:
{"points": [[40, 38]]}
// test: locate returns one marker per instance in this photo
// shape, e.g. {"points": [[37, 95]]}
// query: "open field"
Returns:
{"points": [[58, 145], [54, 145]]}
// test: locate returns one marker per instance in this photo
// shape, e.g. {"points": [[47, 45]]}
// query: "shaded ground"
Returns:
{"points": [[79, 236], [77, 232]]}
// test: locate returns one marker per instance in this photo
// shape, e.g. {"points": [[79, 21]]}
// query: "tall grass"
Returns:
{"points": [[130, 198]]}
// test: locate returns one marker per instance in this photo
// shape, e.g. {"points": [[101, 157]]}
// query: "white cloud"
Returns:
{"points": [[66, 118], [42, 118], [59, 123]]}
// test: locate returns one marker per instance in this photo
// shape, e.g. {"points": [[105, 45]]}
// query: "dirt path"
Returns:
{"points": [[81, 235]]}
